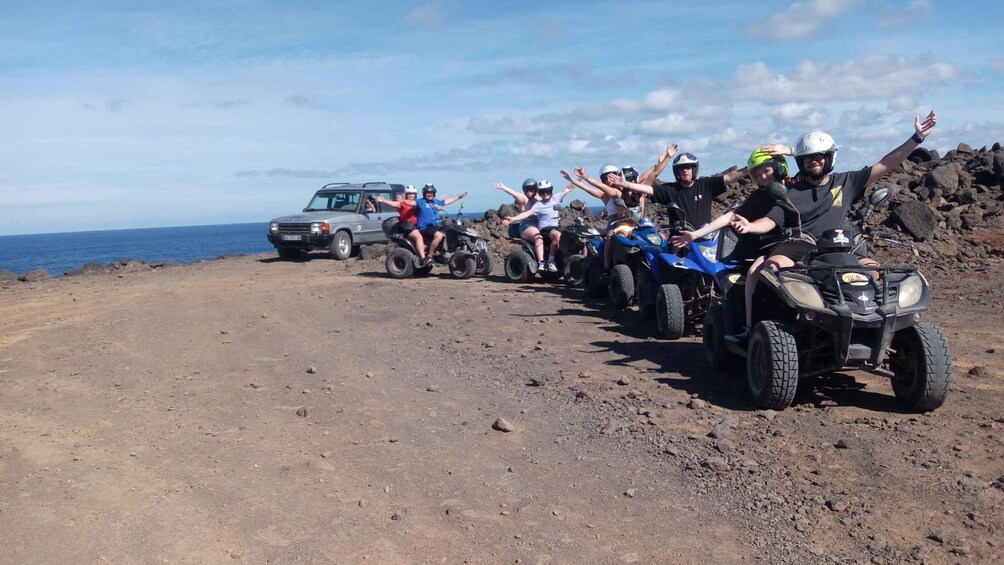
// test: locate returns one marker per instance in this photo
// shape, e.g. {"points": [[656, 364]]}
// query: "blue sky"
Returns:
{"points": [[121, 115]]}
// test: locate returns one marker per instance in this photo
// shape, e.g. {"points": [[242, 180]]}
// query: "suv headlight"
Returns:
{"points": [[320, 227], [910, 291], [805, 294], [273, 227]]}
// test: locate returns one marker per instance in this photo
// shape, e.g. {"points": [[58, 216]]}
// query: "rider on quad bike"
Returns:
{"points": [[408, 222], [429, 208], [545, 211]]}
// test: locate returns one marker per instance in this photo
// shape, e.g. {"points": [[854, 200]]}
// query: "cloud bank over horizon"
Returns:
{"points": [[226, 111]]}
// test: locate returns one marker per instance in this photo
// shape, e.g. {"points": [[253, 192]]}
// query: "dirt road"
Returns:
{"points": [[319, 412]]}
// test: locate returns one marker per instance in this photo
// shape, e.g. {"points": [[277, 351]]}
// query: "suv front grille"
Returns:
{"points": [[294, 228]]}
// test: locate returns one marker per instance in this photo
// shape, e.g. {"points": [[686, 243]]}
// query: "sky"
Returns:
{"points": [[146, 114]]}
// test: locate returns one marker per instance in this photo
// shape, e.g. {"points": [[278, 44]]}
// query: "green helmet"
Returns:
{"points": [[760, 158]]}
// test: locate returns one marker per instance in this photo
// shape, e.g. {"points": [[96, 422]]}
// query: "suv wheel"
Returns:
{"points": [[341, 246]]}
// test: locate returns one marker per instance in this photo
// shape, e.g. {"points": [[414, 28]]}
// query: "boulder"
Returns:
{"points": [[943, 180], [372, 251], [953, 220], [917, 219], [577, 205], [34, 276], [507, 210], [999, 165], [921, 155], [491, 215], [972, 218], [965, 148], [996, 147], [88, 269]]}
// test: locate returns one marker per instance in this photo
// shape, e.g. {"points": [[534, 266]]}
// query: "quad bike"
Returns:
{"points": [[627, 245], [463, 251], [676, 286], [578, 243], [520, 265], [829, 313]]}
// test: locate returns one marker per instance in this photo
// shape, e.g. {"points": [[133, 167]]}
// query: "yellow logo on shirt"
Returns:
{"points": [[837, 193]]}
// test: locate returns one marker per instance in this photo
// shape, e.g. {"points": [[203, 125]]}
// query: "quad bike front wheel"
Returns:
{"points": [[462, 264], [486, 262], [772, 366], [400, 263], [574, 270], [922, 366]]}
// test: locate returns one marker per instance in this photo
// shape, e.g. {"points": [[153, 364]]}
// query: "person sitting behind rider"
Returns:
{"points": [[428, 215], [694, 195], [765, 169], [408, 220], [546, 212], [821, 197], [527, 229]]}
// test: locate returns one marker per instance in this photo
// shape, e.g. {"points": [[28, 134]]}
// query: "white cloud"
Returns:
{"points": [[800, 20], [799, 115]]}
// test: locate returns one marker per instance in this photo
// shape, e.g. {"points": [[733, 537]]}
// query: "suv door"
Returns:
{"points": [[372, 216]]}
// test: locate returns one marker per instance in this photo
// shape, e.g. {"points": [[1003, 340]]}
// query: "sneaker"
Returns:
{"points": [[742, 338], [541, 267], [551, 267], [427, 261]]}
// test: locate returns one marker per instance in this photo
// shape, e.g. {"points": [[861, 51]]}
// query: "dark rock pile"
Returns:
{"points": [[944, 209]]}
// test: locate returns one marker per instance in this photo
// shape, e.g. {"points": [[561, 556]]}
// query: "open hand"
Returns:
{"points": [[682, 239], [463, 194], [499, 185], [616, 180], [777, 149], [565, 174], [925, 128], [581, 173], [670, 151], [506, 221], [740, 224]]}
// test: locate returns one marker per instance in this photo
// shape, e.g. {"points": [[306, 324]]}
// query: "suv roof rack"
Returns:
{"points": [[331, 184], [365, 184]]}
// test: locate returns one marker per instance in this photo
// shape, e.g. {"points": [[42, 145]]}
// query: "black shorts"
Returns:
{"points": [[430, 231], [547, 231], [406, 227]]}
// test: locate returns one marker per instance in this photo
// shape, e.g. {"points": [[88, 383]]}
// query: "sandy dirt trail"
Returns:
{"points": [[319, 412]]}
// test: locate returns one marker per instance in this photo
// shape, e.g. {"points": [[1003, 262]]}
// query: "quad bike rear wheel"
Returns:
{"points": [[517, 266], [670, 316], [772, 366], [621, 290], [486, 262], [922, 364], [400, 263]]}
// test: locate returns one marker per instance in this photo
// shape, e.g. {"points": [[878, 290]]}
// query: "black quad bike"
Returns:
{"points": [[579, 242], [829, 313], [463, 251], [520, 265]]}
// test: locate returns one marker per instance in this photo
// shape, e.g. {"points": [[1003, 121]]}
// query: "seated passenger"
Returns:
{"points": [[408, 224], [527, 228], [546, 212]]}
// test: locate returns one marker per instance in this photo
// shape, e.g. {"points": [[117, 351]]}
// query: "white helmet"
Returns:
{"points": [[544, 186], [816, 142], [608, 169], [410, 189], [686, 159]]}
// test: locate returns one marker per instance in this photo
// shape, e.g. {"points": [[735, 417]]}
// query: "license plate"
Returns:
{"points": [[296, 237]]}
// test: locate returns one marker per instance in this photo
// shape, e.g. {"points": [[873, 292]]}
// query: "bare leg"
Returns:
{"points": [[555, 238], [774, 262], [532, 234], [416, 237], [436, 240]]}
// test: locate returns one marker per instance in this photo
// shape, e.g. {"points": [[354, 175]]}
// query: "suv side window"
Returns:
{"points": [[386, 196], [345, 201]]}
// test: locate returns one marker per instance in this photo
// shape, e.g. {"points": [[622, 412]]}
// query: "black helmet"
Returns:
{"points": [[530, 184], [429, 187], [630, 174]]}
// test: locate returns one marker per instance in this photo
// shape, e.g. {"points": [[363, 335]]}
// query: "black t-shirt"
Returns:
{"points": [[695, 200], [756, 206], [823, 207]]}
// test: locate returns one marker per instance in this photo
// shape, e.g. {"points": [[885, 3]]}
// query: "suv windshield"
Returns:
{"points": [[337, 201]]}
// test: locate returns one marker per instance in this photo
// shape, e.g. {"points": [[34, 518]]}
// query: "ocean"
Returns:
{"points": [[61, 252]]}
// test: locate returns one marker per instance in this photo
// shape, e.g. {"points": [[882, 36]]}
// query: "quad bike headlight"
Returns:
{"points": [[910, 291], [653, 238], [804, 293], [709, 252]]}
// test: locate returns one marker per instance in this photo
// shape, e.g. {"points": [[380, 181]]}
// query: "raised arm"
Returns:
{"points": [[517, 218], [718, 223], [564, 193], [898, 155], [607, 189], [744, 226], [448, 201], [660, 165], [620, 182], [392, 203], [734, 176], [595, 192], [520, 198]]}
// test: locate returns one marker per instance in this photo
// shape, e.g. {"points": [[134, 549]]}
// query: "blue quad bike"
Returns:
{"points": [[578, 243], [627, 246], [676, 286], [829, 313]]}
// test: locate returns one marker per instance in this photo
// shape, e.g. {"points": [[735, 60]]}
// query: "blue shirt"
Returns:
{"points": [[427, 213]]}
